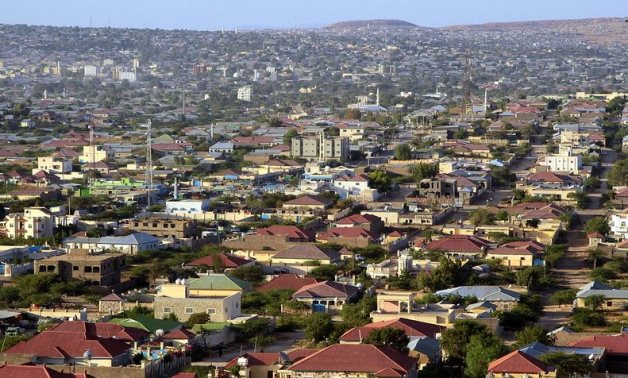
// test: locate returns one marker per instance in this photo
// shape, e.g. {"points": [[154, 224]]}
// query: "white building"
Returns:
{"points": [[187, 206], [34, 222], [53, 165], [564, 161], [130, 244], [93, 154], [91, 70], [244, 93], [619, 225]]}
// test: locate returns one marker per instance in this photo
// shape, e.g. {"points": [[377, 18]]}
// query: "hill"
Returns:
{"points": [[372, 23]]}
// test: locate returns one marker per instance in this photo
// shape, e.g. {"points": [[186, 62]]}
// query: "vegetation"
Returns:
{"points": [[568, 365], [480, 351], [318, 327], [597, 224], [388, 336], [531, 334], [403, 152]]}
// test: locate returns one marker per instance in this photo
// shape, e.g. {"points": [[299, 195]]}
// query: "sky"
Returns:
{"points": [[229, 14]]}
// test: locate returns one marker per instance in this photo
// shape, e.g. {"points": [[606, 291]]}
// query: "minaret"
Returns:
{"points": [[377, 97], [176, 188], [485, 99], [211, 131], [148, 181]]}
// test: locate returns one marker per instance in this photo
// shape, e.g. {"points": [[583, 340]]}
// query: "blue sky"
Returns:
{"points": [[213, 15]]}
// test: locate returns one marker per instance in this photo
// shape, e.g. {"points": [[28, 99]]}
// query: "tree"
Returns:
{"points": [[597, 224], [353, 114], [318, 326], [324, 272], [359, 314], [502, 215], [403, 152], [423, 171], [531, 334], [479, 217], [594, 302], [480, 351], [532, 277], [563, 297], [534, 222], [454, 340], [595, 255], [251, 273], [388, 336], [287, 137], [197, 318], [568, 364], [380, 180], [275, 122], [618, 174]]}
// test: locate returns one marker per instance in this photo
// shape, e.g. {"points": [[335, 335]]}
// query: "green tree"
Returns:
{"points": [[534, 222], [568, 365], [594, 302], [251, 273], [423, 171], [480, 351], [618, 174], [388, 336], [197, 318], [324, 272], [380, 180], [403, 152], [359, 314], [454, 340], [502, 215], [563, 297], [287, 137], [318, 326], [597, 224], [274, 122], [531, 334], [480, 217]]}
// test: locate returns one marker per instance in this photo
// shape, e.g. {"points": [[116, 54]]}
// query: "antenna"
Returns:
{"points": [[148, 178], [93, 150]]}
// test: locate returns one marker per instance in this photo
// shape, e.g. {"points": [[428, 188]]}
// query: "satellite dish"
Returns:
{"points": [[243, 361], [177, 281], [87, 354], [159, 333]]}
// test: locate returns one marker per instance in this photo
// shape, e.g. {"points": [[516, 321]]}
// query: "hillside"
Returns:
{"points": [[372, 23]]}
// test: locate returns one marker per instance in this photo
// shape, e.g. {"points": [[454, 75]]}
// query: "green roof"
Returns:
{"points": [[213, 326], [219, 282], [147, 323]]}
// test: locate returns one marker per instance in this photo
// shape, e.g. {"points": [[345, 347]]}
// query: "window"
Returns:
{"points": [[167, 310], [609, 303], [189, 310], [75, 267], [211, 311]]}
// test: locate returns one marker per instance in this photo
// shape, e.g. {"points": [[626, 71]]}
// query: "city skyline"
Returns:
{"points": [[245, 14]]}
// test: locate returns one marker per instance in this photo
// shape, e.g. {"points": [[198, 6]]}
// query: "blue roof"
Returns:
{"points": [[537, 350], [482, 293], [137, 238]]}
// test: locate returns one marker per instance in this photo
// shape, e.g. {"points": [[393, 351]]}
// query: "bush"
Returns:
{"points": [[563, 297], [585, 317], [602, 274], [318, 327]]}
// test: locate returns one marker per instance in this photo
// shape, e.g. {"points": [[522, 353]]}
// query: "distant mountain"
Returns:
{"points": [[372, 23]]}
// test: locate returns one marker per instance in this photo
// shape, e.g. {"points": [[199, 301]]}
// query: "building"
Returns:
{"points": [[244, 93], [304, 255], [519, 254], [503, 299], [564, 161], [326, 296], [221, 260], [217, 295], [130, 244], [519, 365], [614, 299], [81, 344], [34, 222], [84, 265], [287, 282], [320, 148], [53, 164], [92, 154], [164, 227], [619, 225], [187, 206]]}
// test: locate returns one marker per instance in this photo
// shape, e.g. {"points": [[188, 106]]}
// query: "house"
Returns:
{"points": [[619, 225], [616, 348], [595, 355], [309, 202], [221, 260], [412, 328], [187, 206], [460, 246], [300, 255], [519, 254], [67, 343], [179, 337], [355, 187], [519, 365], [34, 222], [53, 164], [551, 185], [264, 365], [111, 304], [368, 222], [564, 161], [130, 244], [164, 226], [614, 299], [217, 295], [359, 360], [287, 282], [36, 371], [221, 147], [504, 299], [349, 237], [93, 268], [325, 296]]}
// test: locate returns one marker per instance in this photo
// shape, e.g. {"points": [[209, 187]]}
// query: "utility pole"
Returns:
{"points": [[148, 178]]}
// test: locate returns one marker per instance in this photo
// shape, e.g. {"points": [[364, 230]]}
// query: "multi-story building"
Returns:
{"points": [[619, 225], [92, 154], [187, 206], [320, 148], [53, 164], [244, 93], [217, 295], [564, 161], [95, 268], [164, 227], [34, 222]]}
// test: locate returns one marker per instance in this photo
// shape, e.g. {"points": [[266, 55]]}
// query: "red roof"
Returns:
{"points": [[326, 289], [307, 252], [518, 362], [72, 339], [359, 219], [34, 371], [287, 281], [344, 232], [614, 344], [364, 358], [291, 232], [458, 243], [309, 200], [184, 375], [412, 328], [256, 359], [227, 260], [179, 334]]}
